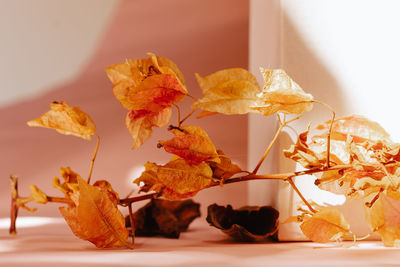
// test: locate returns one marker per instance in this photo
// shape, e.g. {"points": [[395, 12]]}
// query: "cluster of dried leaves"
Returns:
{"points": [[354, 155]]}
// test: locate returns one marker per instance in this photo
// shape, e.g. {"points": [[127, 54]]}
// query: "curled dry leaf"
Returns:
{"points": [[282, 94], [225, 169], [165, 217], [95, 217], [245, 224], [326, 225], [301, 153], [230, 91], [175, 180], [141, 122], [70, 184], [66, 120], [191, 143], [384, 218], [37, 195]]}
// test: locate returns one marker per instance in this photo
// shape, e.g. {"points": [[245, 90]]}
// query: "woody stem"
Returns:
{"points": [[14, 206], [93, 159]]}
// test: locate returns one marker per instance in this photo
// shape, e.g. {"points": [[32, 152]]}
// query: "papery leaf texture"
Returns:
{"points": [[175, 180], [141, 122], [229, 91], [384, 218], [225, 169], [326, 225], [281, 94], [191, 143], [96, 218], [165, 217], [66, 120], [245, 224]]}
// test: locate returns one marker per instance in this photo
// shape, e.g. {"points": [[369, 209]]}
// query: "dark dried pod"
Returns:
{"points": [[246, 224]]}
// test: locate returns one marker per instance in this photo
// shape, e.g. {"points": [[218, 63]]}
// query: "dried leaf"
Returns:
{"points": [[191, 143], [282, 94], [96, 218], [70, 184], [37, 195], [66, 120], [147, 84], [224, 170], [141, 122], [165, 217], [175, 180], [384, 218], [245, 224], [230, 91], [327, 224], [301, 153]]}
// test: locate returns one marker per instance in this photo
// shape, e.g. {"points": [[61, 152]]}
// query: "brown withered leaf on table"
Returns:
{"points": [[229, 91], [165, 217], [66, 120], [192, 144], [384, 218], [175, 180], [246, 224], [141, 122], [326, 225], [95, 217], [281, 94]]}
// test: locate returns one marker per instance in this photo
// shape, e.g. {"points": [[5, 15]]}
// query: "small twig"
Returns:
{"points": [[59, 200], [14, 206], [328, 139], [187, 116], [127, 201], [290, 180], [370, 204], [131, 221], [179, 114], [93, 159], [281, 125]]}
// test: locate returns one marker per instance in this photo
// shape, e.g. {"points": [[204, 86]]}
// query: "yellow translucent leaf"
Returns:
{"points": [[282, 94], [141, 122], [70, 184], [175, 180], [191, 143], [96, 218], [327, 224], [37, 195], [66, 120], [230, 91], [384, 218]]}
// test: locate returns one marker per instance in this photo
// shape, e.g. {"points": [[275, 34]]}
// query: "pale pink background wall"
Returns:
{"points": [[200, 36]]}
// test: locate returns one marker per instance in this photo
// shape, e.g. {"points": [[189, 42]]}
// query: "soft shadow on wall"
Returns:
{"points": [[200, 36]]}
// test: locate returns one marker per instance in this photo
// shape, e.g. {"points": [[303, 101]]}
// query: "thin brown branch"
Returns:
{"points": [[281, 125], [187, 116], [14, 206], [93, 159], [328, 138], [290, 180], [131, 221], [127, 201], [59, 200], [179, 114]]}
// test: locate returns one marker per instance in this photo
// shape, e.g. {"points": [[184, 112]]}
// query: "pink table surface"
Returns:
{"points": [[53, 244]]}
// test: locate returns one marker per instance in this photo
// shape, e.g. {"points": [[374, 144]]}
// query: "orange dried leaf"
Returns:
{"points": [[147, 84], [66, 120], [96, 218], [230, 91], [70, 184], [327, 224], [282, 94], [384, 218], [191, 143], [141, 122], [175, 180], [225, 169], [37, 195]]}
